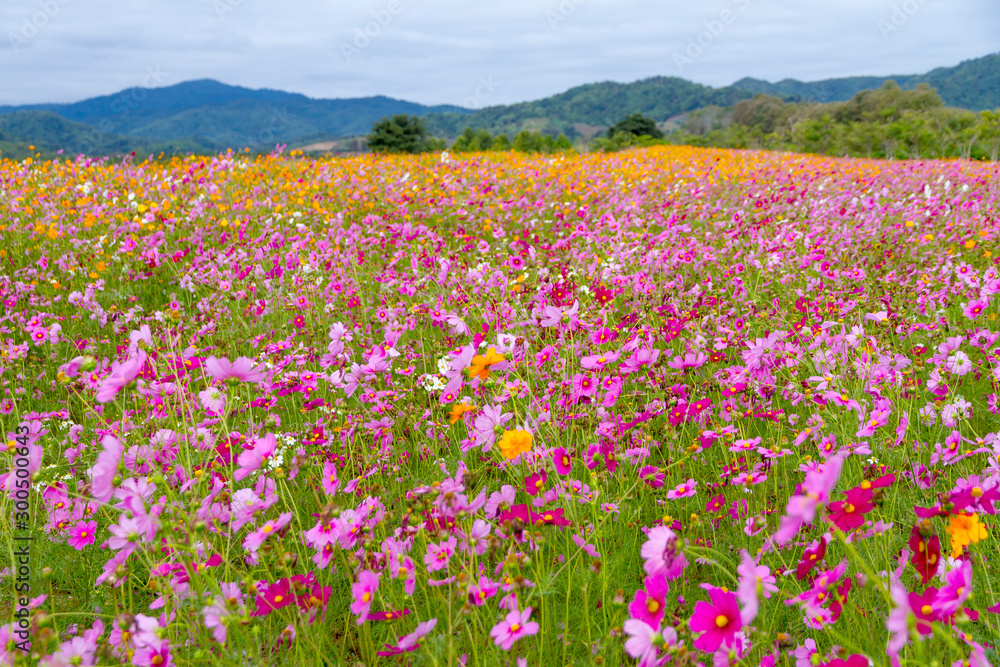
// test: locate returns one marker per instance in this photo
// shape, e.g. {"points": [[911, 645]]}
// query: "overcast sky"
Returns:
{"points": [[470, 52]]}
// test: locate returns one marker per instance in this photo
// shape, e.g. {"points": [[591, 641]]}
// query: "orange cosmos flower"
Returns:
{"points": [[964, 530], [514, 443], [481, 363], [459, 410]]}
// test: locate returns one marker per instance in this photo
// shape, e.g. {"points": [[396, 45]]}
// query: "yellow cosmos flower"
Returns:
{"points": [[514, 443], [964, 530]]}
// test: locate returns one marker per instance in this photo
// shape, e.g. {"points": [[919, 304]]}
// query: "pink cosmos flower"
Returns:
{"points": [[154, 653], [438, 555], [649, 604], [242, 369], [213, 400], [330, 481], [410, 642], [652, 476], [562, 461], [856, 660], [642, 357], [481, 592], [82, 534], [584, 385], [541, 358], [253, 541], [490, 422], [514, 626], [974, 308], [121, 375], [663, 553], [719, 621], [685, 490], [897, 622], [106, 469], [363, 592], [644, 641], [250, 460], [958, 585], [597, 362], [801, 509], [747, 589]]}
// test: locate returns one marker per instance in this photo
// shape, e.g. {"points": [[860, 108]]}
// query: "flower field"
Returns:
{"points": [[674, 406]]}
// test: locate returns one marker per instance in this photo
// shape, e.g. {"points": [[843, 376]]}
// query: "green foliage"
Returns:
{"points": [[622, 140], [637, 125], [400, 134], [525, 142], [50, 133], [888, 122], [972, 84], [473, 140]]}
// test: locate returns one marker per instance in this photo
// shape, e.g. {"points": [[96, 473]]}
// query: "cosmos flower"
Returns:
{"points": [[513, 627]]}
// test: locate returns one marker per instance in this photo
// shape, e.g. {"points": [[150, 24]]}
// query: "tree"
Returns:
{"points": [[473, 140], [637, 125], [400, 134]]}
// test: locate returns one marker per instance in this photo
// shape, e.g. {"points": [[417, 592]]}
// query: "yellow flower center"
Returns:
{"points": [[721, 621]]}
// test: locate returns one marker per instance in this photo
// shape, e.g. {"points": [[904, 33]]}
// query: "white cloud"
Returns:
{"points": [[436, 51]]}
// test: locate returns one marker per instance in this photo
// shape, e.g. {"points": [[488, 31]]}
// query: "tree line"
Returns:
{"points": [[887, 122]]}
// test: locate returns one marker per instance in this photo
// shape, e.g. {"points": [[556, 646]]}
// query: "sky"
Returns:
{"points": [[472, 53]]}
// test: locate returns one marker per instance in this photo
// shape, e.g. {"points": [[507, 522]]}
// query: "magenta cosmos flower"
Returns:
{"points": [[718, 621], [82, 534], [513, 627], [562, 461]]}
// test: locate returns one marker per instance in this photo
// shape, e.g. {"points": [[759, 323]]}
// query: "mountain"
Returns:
{"points": [[26, 133], [596, 104], [226, 115], [584, 110], [207, 115], [972, 84]]}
